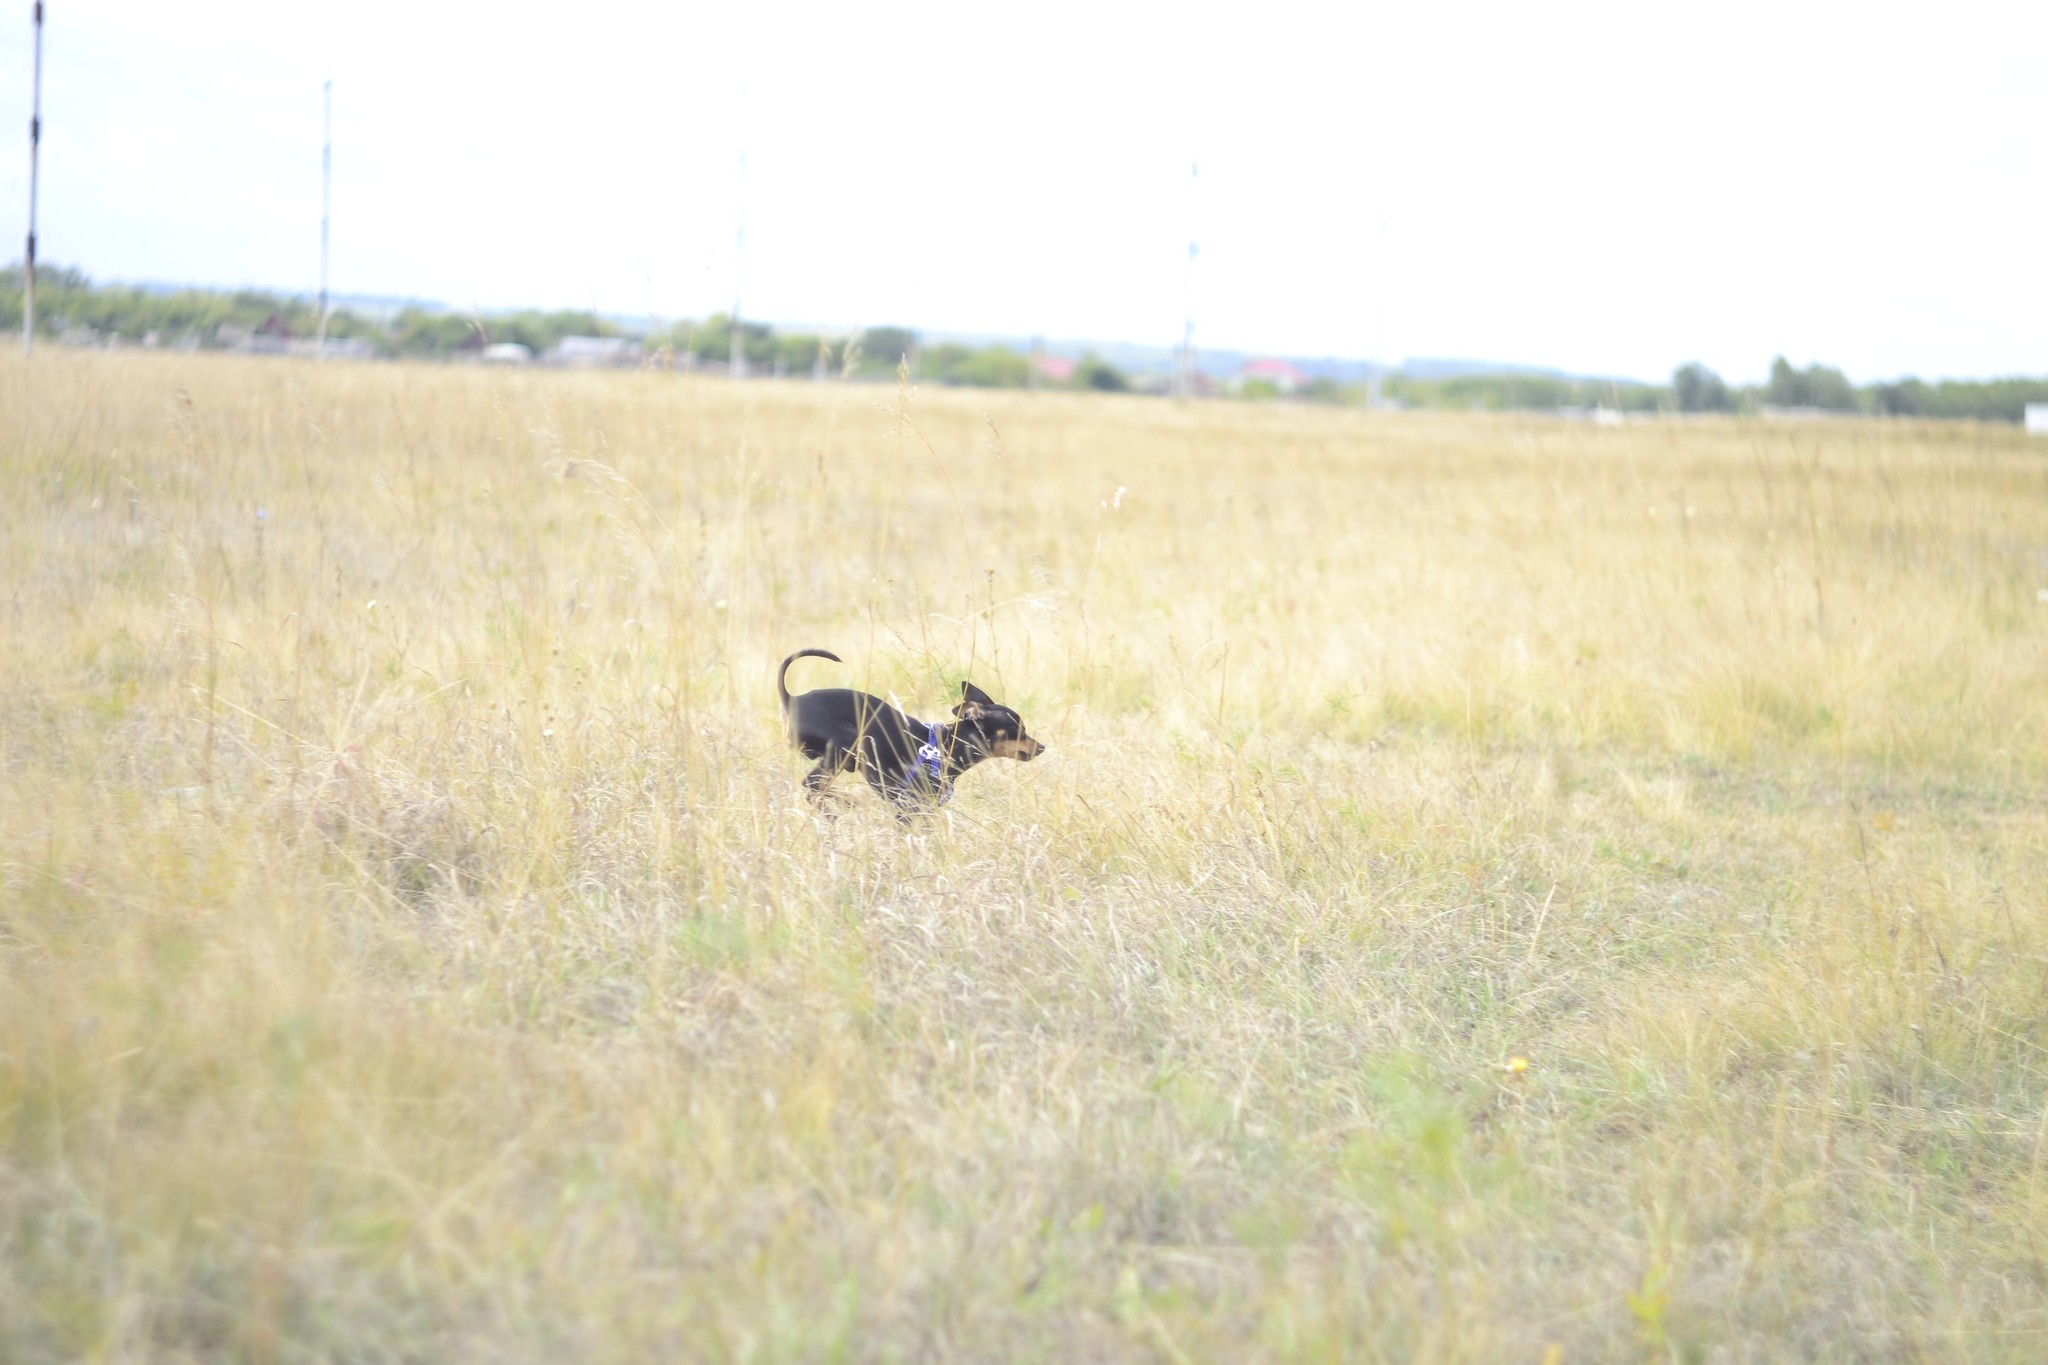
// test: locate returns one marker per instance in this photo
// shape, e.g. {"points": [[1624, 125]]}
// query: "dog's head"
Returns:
{"points": [[994, 728]]}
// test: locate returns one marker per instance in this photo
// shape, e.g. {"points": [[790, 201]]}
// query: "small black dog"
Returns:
{"points": [[909, 762]]}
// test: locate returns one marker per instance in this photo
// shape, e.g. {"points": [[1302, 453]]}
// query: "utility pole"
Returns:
{"points": [[736, 366], [326, 198], [35, 151], [1184, 378]]}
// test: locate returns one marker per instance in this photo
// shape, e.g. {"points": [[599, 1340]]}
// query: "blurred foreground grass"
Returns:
{"points": [[1496, 885]]}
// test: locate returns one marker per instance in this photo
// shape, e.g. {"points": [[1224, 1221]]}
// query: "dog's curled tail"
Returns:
{"points": [[782, 674]]}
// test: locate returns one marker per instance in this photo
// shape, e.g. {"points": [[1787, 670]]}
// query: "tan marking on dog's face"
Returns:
{"points": [[1023, 749]]}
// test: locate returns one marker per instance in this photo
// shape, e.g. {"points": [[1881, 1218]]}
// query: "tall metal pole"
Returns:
{"points": [[736, 365], [35, 151], [326, 198], [1184, 380]]}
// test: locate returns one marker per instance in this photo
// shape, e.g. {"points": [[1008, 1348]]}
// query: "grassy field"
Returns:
{"points": [[1498, 891]]}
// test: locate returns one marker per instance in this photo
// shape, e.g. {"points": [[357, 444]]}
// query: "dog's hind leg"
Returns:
{"points": [[835, 762]]}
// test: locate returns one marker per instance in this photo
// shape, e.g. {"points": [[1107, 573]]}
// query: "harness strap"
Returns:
{"points": [[931, 761]]}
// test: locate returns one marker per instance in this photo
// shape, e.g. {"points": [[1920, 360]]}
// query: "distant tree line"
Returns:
{"points": [[876, 353], [1824, 389], [1523, 392], [1696, 389], [69, 306]]}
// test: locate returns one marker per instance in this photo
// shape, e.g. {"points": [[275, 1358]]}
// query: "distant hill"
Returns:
{"points": [[1224, 361], [1134, 358], [377, 306], [1431, 367]]}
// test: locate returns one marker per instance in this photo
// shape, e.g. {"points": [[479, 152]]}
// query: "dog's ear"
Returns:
{"points": [[972, 701]]}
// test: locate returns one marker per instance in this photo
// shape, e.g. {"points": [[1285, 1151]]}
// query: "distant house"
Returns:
{"points": [[591, 352], [1056, 369], [2037, 419], [506, 353], [269, 337], [1598, 416], [1284, 377], [335, 348]]}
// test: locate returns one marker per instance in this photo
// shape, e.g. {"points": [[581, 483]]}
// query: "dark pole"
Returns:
{"points": [[35, 150]]}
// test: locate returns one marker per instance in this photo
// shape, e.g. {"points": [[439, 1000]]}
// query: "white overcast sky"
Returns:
{"points": [[1603, 188]]}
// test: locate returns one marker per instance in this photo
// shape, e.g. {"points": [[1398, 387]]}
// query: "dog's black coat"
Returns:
{"points": [[842, 729]]}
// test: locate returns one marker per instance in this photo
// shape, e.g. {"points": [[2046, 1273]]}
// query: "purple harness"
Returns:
{"points": [[931, 764]]}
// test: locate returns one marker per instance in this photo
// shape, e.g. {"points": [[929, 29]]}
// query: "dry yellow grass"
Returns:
{"points": [[1496, 885]]}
